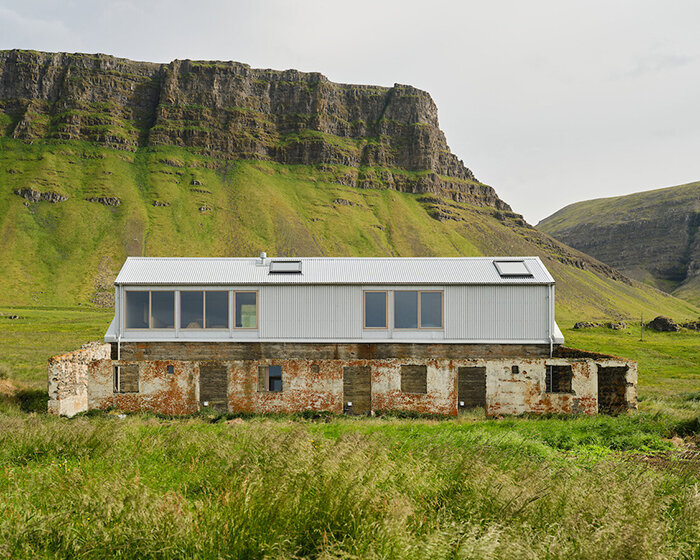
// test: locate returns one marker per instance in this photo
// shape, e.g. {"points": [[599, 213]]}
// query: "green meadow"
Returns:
{"points": [[314, 486]]}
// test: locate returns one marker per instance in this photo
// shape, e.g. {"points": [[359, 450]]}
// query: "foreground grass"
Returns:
{"points": [[146, 487], [143, 487]]}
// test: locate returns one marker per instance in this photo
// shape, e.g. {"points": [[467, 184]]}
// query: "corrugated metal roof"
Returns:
{"points": [[323, 270]]}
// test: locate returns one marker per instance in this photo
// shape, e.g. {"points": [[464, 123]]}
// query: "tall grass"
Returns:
{"points": [[148, 488]]}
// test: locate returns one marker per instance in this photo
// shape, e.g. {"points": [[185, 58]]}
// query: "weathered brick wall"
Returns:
{"points": [[518, 393], [159, 391], [68, 378], [318, 385]]}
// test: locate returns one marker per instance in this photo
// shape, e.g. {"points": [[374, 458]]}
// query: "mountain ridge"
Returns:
{"points": [[379, 135], [99, 162], [651, 236]]}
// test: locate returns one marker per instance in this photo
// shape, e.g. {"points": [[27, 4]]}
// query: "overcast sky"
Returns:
{"points": [[550, 102]]}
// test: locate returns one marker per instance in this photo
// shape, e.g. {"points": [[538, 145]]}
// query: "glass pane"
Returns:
{"points": [[246, 310], [512, 268], [136, 310], [163, 310], [375, 310], [191, 310], [431, 310], [406, 310], [275, 377], [217, 310]]}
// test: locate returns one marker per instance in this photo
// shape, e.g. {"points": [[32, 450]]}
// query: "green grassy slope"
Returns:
{"points": [[651, 236], [64, 253]]}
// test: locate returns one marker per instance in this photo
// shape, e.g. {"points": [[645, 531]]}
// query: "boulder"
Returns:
{"points": [[663, 324], [586, 325]]}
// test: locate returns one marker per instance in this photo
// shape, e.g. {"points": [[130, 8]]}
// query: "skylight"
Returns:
{"points": [[512, 268], [285, 267]]}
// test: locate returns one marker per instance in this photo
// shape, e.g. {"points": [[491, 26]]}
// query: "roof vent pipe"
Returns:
{"points": [[263, 256]]}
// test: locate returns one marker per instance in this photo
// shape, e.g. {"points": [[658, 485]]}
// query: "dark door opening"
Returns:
{"points": [[213, 386], [357, 390], [471, 387], [612, 387]]}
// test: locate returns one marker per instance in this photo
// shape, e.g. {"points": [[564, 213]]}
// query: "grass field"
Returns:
{"points": [[143, 486]]}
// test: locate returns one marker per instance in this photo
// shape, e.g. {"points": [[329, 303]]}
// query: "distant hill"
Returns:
{"points": [[651, 236], [102, 158]]}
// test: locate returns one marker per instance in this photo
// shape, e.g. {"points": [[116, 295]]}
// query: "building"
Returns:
{"points": [[354, 335]]}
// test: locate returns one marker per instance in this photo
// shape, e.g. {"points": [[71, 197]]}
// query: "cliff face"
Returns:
{"points": [[372, 137], [650, 236]]}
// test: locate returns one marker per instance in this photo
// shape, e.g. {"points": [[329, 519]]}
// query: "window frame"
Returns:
{"points": [[257, 309], [125, 309], [386, 310], [266, 382], [419, 327], [549, 376], [204, 311], [149, 291]]}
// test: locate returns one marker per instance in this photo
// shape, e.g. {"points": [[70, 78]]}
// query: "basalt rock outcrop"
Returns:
{"points": [[33, 195], [375, 137]]}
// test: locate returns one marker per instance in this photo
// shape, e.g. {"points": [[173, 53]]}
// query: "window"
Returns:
{"points": [[285, 267], [246, 310], [207, 309], [417, 309], [270, 379], [162, 310], [430, 310], [414, 379], [558, 379], [216, 310], [375, 310], [406, 310], [155, 310], [191, 310], [137, 310], [126, 379], [512, 268]]}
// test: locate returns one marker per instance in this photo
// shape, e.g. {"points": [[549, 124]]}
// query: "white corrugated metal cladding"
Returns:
{"points": [[154, 271]]}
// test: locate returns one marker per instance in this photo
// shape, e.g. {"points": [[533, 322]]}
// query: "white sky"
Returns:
{"points": [[548, 101]]}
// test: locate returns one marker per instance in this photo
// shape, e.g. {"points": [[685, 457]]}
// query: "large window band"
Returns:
{"points": [[199, 309]]}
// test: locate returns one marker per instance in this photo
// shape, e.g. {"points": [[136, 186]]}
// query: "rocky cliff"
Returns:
{"points": [[372, 137], [651, 236]]}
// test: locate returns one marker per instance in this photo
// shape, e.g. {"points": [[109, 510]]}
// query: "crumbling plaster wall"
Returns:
{"points": [[318, 385], [68, 378], [159, 391]]}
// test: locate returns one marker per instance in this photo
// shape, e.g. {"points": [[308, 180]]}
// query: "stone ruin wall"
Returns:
{"points": [[318, 385], [68, 378], [84, 380]]}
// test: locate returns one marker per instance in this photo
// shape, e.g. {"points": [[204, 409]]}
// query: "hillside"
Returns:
{"points": [[103, 158], [651, 236]]}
